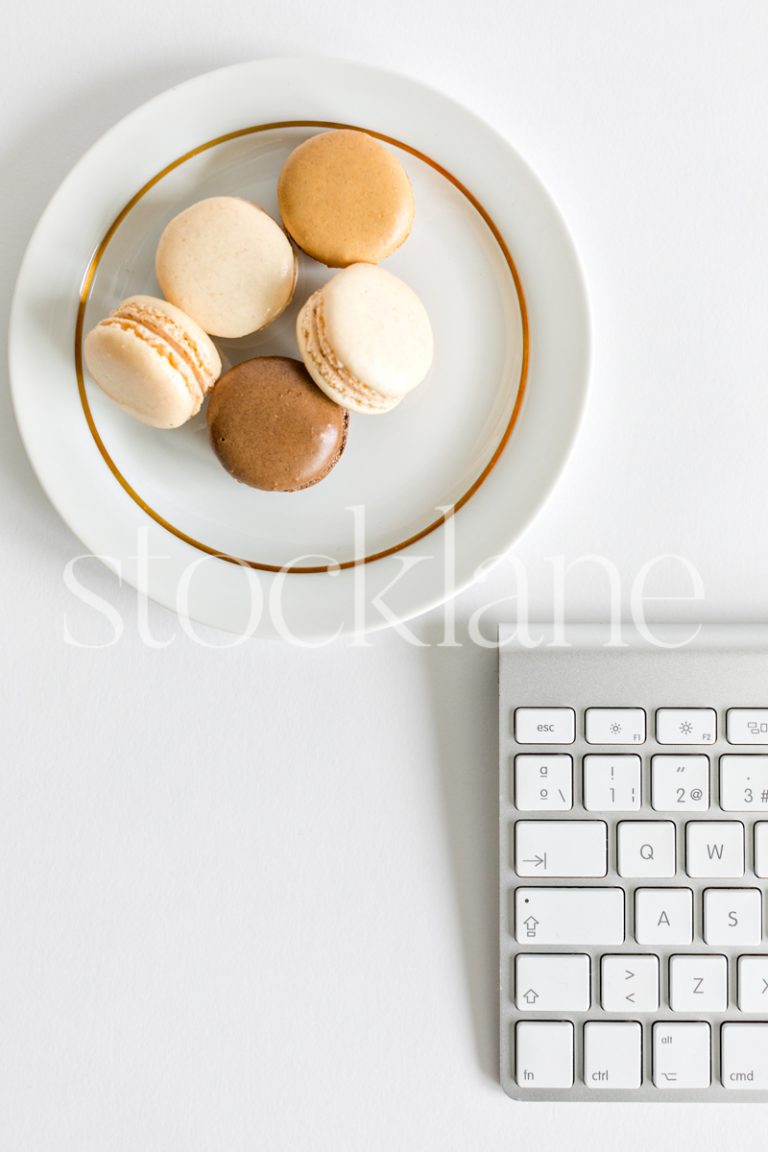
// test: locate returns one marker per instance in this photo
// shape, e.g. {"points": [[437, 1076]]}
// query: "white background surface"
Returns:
{"points": [[247, 896]]}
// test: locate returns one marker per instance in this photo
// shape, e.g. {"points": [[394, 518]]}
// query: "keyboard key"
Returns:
{"points": [[732, 916], [615, 725], [743, 783], [552, 983], [543, 783], [681, 1055], [664, 916], [714, 848], [544, 1056], [746, 725], [686, 726], [744, 1063], [680, 783], [575, 916], [561, 848], [612, 783], [629, 983], [698, 983], [752, 984], [545, 725], [612, 1054], [646, 848], [761, 849]]}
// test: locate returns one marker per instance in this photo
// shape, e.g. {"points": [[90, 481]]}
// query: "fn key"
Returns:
{"points": [[544, 1054]]}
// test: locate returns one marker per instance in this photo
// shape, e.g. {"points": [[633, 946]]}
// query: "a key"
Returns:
{"points": [[663, 915], [680, 783], [698, 983], [681, 1055], [646, 848], [761, 849], [561, 848], [746, 725], [714, 848], [543, 783], [612, 783], [732, 916], [575, 916], [544, 1054], [744, 1056], [752, 984], [545, 725], [686, 726], [629, 983], [615, 725], [552, 983], [612, 1054], [744, 783]]}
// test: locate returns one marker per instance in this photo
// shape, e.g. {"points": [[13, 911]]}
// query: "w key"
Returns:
{"points": [[561, 848]]}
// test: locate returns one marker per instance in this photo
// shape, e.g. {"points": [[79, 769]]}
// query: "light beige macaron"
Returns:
{"points": [[153, 360], [227, 264], [365, 338]]}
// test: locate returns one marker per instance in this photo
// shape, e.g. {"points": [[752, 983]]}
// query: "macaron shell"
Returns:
{"points": [[271, 428], [138, 375], [345, 197], [227, 264], [378, 329], [328, 373]]}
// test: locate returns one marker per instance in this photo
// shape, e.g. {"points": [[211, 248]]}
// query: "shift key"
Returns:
{"points": [[569, 915]]}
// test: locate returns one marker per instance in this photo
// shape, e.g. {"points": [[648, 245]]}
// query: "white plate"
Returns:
{"points": [[423, 497]]}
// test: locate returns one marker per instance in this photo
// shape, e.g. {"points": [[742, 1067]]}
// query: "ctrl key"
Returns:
{"points": [[544, 1054], [612, 1054]]}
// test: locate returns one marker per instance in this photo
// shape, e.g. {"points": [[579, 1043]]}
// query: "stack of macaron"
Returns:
{"points": [[227, 269]]}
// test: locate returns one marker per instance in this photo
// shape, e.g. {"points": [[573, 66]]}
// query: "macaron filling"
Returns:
{"points": [[329, 367], [143, 320]]}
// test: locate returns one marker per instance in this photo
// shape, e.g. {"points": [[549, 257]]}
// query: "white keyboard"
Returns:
{"points": [[633, 858]]}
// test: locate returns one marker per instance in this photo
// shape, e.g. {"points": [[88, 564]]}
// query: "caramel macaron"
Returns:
{"points": [[272, 428], [345, 198], [227, 264]]}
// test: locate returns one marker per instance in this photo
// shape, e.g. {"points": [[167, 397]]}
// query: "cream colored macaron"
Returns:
{"points": [[365, 338], [227, 264], [152, 360]]}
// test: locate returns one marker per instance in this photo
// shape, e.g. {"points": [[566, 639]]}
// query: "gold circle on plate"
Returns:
{"points": [[85, 292]]}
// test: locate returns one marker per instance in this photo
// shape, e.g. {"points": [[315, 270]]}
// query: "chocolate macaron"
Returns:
{"points": [[345, 198], [272, 428]]}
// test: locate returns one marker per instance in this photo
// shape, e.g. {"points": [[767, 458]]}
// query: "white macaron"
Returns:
{"points": [[365, 338]]}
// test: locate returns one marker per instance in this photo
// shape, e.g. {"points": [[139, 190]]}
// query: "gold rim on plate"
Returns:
{"points": [[85, 292]]}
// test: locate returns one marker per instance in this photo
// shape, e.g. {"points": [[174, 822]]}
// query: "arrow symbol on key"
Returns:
{"points": [[537, 860], [530, 996]]}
